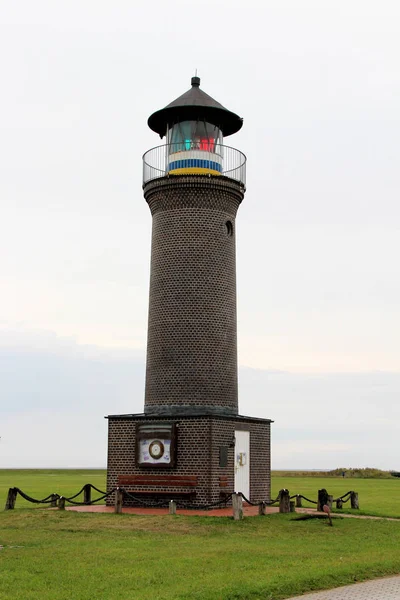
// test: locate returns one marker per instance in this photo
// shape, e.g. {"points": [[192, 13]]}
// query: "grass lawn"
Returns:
{"points": [[62, 555], [49, 554]]}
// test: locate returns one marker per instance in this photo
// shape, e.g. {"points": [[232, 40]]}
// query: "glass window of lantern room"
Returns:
{"points": [[205, 136], [180, 136], [194, 135]]}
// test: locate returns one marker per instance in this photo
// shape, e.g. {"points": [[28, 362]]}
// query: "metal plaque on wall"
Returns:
{"points": [[156, 444]]}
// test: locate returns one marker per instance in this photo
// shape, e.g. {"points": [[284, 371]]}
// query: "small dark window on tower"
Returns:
{"points": [[223, 456], [229, 228]]}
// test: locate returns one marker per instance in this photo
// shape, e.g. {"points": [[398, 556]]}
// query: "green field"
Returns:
{"points": [[41, 483], [63, 555], [380, 497]]}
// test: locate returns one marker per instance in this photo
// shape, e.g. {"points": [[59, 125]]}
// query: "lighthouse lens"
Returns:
{"points": [[194, 135]]}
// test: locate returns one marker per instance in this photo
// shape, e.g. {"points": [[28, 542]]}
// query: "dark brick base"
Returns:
{"points": [[199, 439]]}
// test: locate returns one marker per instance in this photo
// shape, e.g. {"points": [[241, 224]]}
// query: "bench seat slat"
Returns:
{"points": [[161, 480], [162, 493], [163, 483]]}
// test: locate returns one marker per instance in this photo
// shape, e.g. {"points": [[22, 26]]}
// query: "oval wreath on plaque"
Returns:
{"points": [[156, 449]]}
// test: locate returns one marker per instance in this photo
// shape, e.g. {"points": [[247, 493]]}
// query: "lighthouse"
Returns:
{"points": [[190, 443]]}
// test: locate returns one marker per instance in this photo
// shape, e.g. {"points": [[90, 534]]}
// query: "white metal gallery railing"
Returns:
{"points": [[213, 159]]}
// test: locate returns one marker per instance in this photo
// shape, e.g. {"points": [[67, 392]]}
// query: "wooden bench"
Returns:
{"points": [[160, 480]]}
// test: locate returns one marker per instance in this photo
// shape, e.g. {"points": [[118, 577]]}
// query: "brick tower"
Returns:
{"points": [[190, 442]]}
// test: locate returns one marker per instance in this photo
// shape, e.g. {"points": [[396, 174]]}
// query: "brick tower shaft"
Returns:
{"points": [[192, 340]]}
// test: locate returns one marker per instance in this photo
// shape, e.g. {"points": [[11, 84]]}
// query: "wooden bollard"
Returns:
{"points": [[292, 506], [354, 500], [284, 501], [322, 499], [61, 503], [330, 501], [172, 507], [237, 507], [339, 503], [11, 498], [298, 501], [262, 508], [54, 499], [119, 498], [87, 493]]}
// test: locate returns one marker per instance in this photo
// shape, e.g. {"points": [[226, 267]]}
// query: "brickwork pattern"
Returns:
{"points": [[193, 449], [198, 443], [191, 345]]}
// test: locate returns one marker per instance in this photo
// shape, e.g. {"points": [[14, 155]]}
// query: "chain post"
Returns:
{"points": [[119, 497], [11, 499]]}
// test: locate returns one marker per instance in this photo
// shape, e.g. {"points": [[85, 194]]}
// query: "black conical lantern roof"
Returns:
{"points": [[195, 105]]}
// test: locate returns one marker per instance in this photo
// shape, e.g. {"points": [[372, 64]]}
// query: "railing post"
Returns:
{"points": [[11, 498], [172, 507], [87, 493], [61, 503], [284, 501], [298, 501], [339, 503], [292, 506], [119, 497], [54, 498], [262, 508], [354, 500], [322, 499], [237, 507]]}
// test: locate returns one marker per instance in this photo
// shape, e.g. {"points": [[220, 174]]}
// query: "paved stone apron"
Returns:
{"points": [[380, 589], [248, 511]]}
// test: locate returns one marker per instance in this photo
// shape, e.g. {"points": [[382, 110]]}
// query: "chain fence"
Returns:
{"points": [[50, 498], [141, 502], [53, 498], [90, 502], [304, 498]]}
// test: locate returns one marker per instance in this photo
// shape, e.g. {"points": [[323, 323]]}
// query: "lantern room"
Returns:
{"points": [[194, 147], [194, 126]]}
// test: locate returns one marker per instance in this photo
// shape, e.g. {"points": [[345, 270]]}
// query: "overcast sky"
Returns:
{"points": [[318, 244]]}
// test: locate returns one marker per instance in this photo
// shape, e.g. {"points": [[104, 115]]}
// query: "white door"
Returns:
{"points": [[242, 462]]}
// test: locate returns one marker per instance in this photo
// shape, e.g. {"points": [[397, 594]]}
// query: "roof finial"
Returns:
{"points": [[195, 80]]}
